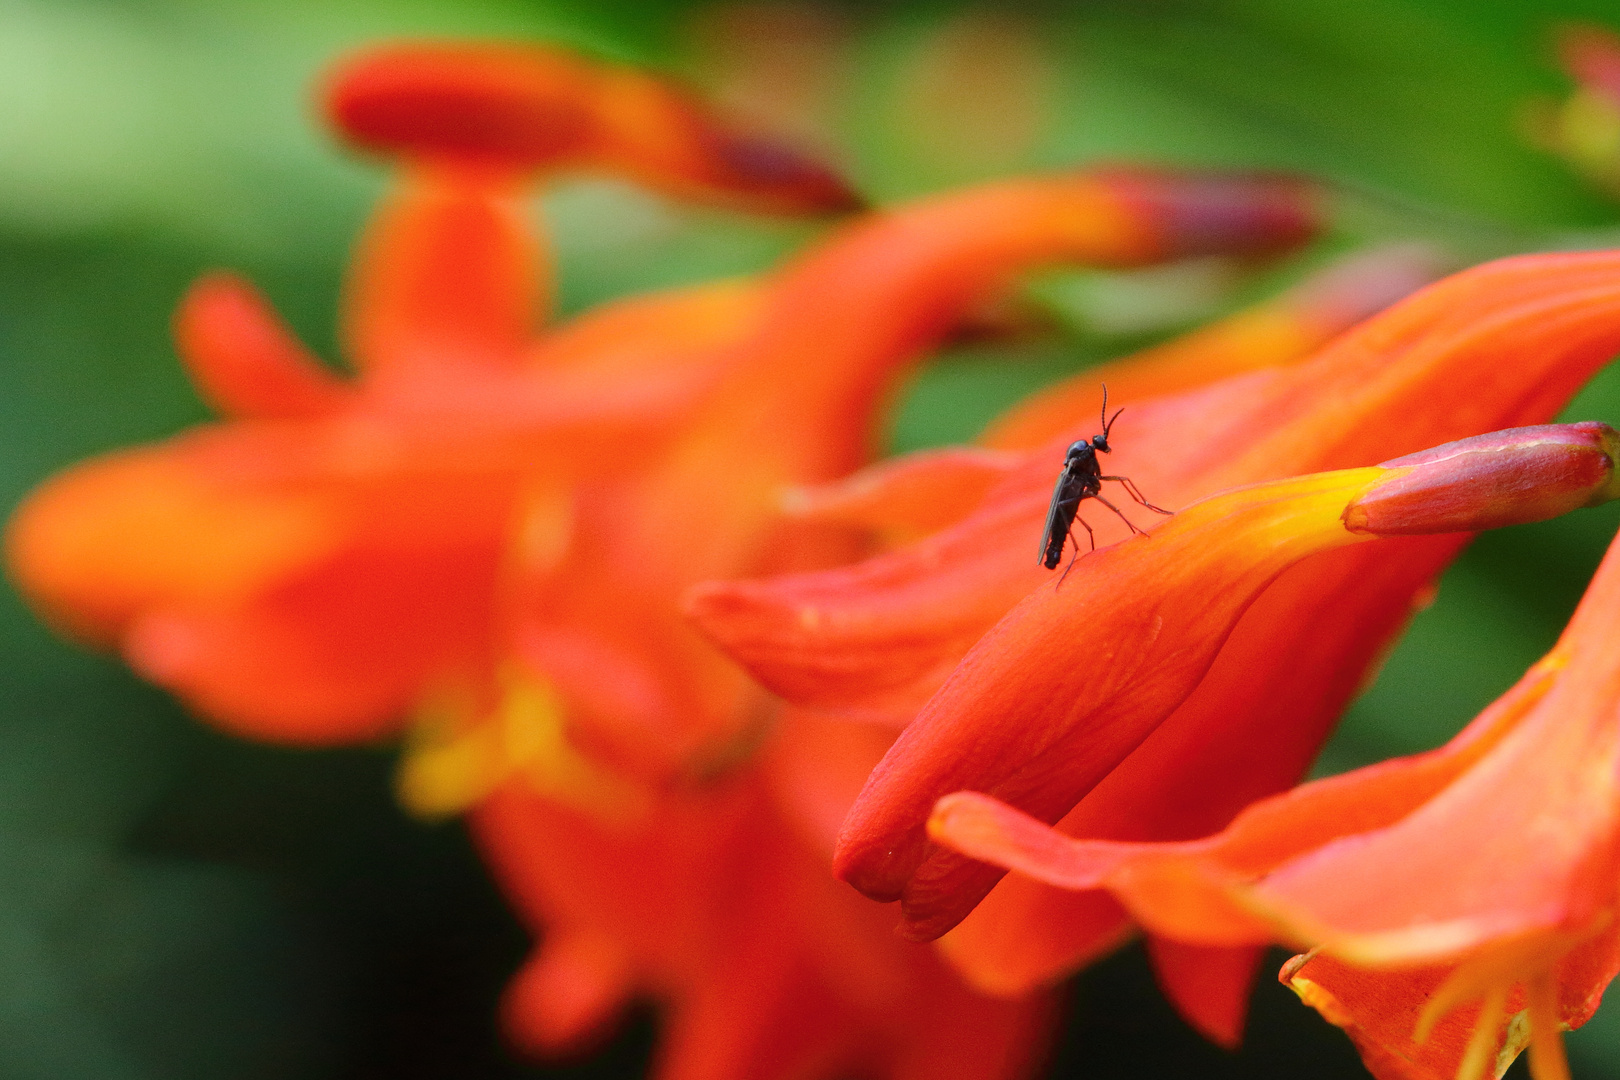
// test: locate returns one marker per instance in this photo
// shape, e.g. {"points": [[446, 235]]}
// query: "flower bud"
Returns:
{"points": [[1501, 478], [531, 107]]}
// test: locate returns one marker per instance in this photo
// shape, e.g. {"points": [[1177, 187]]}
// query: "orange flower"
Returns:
{"points": [[1480, 872], [1503, 344], [483, 538], [263, 567]]}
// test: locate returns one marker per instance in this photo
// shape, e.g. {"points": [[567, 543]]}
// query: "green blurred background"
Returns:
{"points": [[176, 904]]}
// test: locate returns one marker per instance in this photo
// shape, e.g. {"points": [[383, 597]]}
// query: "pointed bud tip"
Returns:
{"points": [[778, 174], [1221, 213], [1501, 478]]}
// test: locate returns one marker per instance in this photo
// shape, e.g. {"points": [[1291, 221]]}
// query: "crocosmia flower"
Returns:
{"points": [[263, 567], [1162, 734], [480, 539], [1458, 905]]}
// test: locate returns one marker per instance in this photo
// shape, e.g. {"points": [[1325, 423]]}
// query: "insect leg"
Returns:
{"points": [[1076, 554], [1136, 493], [1128, 522]]}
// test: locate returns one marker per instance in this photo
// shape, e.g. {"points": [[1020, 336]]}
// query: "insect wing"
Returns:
{"points": [[1058, 520]]}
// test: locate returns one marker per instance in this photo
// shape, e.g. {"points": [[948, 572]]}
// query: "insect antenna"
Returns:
{"points": [[1107, 421]]}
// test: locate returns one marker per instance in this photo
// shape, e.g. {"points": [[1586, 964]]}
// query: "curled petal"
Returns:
{"points": [[799, 404], [1186, 889], [528, 107], [243, 359], [797, 407]]}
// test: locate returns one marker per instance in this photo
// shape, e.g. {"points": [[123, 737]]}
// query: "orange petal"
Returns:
{"points": [[690, 324], [1478, 866], [1209, 987], [567, 993], [798, 405], [447, 276], [1552, 820], [1379, 1011], [321, 657], [243, 359], [817, 765], [1264, 836], [96, 545]]}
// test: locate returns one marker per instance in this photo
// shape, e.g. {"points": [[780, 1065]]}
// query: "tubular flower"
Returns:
{"points": [[262, 567], [482, 538], [1503, 344], [1458, 905]]}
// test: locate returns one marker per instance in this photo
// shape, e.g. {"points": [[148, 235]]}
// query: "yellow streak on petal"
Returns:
{"points": [[537, 744], [449, 763], [1322, 1000], [454, 758]]}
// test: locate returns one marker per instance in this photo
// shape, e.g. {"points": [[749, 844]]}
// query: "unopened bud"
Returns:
{"points": [[1502, 478]]}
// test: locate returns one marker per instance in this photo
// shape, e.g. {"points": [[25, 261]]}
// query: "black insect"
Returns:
{"points": [[1081, 479]]}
